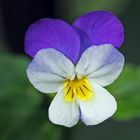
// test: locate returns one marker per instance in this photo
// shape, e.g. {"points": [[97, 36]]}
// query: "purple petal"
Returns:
{"points": [[102, 28], [52, 33]]}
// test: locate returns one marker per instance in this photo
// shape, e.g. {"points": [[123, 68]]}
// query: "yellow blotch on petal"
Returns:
{"points": [[80, 88]]}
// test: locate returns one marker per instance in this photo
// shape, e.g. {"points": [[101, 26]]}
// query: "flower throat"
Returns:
{"points": [[80, 88]]}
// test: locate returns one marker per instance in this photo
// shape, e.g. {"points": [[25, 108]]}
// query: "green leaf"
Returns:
{"points": [[17, 99], [22, 115], [127, 92]]}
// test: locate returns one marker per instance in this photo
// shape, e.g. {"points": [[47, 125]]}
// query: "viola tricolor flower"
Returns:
{"points": [[76, 62]]}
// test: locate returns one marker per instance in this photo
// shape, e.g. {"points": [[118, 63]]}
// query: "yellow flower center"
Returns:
{"points": [[80, 88]]}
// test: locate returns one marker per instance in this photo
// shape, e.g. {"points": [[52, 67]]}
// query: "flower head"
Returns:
{"points": [[76, 62]]}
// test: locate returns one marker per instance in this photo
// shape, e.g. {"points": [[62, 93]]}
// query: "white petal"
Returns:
{"points": [[100, 108], [62, 112], [102, 64], [48, 70]]}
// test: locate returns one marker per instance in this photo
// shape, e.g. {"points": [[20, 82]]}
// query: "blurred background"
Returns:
{"points": [[23, 110]]}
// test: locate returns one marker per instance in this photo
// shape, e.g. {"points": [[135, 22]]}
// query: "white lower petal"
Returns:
{"points": [[62, 112], [100, 108], [48, 70]]}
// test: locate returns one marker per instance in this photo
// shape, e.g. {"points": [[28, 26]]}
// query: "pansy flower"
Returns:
{"points": [[76, 62]]}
